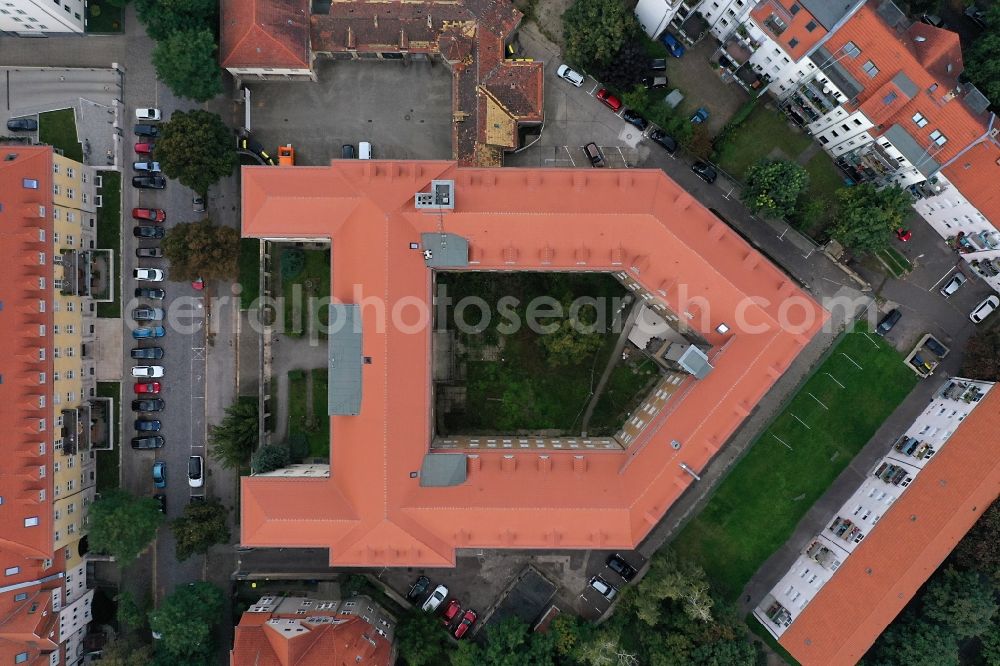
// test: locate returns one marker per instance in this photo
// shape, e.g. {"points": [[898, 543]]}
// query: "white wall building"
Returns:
{"points": [[654, 15], [36, 17]]}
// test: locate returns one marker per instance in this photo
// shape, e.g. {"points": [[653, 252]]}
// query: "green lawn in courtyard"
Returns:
{"points": [[307, 435], [58, 129], [108, 461], [628, 384], [764, 133], [103, 17], [109, 235], [249, 271], [313, 280]]}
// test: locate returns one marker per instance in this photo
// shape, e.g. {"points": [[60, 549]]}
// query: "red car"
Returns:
{"points": [[147, 387], [144, 148], [609, 100], [451, 612], [151, 214], [904, 234], [463, 627]]}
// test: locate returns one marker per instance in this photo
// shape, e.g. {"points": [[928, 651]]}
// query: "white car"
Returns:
{"points": [[196, 471], [953, 284], [437, 596], [571, 75], [985, 309], [148, 167], [147, 114], [607, 590], [147, 371], [148, 274]]}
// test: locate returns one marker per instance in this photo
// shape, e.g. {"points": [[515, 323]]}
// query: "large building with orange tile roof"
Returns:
{"points": [[48, 207], [300, 631], [851, 580], [396, 494], [493, 98]]}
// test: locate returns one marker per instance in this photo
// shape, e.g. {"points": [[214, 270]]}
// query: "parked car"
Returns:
{"points": [[147, 425], [159, 474], [609, 100], [150, 442], [634, 119], [198, 204], [903, 235], [594, 154], [956, 281], [433, 601], [618, 564], [571, 75], [888, 321], [149, 253], [149, 167], [144, 147], [147, 114], [463, 627], [145, 231], [664, 140], [151, 214], [147, 405], [148, 332], [286, 155], [705, 171], [155, 293], [674, 46], [162, 500], [147, 388], [451, 612], [150, 274], [145, 129], [147, 313], [985, 309], [154, 353], [936, 347], [700, 115], [347, 151], [606, 589], [22, 125], [196, 471], [365, 150], [653, 82], [149, 182], [658, 64], [419, 588], [147, 371]]}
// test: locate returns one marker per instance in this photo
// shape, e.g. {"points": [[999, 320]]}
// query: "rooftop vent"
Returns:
{"points": [[441, 196]]}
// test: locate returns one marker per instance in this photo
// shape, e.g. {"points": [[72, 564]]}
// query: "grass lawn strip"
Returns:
{"points": [[109, 236], [108, 461], [249, 265], [316, 430], [756, 507], [761, 133], [58, 129], [298, 320], [320, 447], [626, 388]]}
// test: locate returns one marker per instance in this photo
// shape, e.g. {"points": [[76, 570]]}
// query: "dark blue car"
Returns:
{"points": [[673, 45]]}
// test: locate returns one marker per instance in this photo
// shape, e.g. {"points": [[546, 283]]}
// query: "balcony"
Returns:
{"points": [[76, 434], [962, 391], [869, 163]]}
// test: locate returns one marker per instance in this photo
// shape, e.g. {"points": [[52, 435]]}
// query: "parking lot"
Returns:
{"points": [[403, 110]]}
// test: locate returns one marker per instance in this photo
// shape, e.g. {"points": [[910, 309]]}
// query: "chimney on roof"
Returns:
{"points": [[475, 463], [544, 463], [579, 464], [509, 463]]}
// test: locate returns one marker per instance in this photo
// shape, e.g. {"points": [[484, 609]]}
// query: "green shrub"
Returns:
{"points": [[95, 10], [296, 375], [293, 260]]}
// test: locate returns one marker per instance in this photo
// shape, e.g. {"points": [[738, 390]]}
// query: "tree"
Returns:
{"points": [[185, 620], [596, 30], [202, 249], [466, 654], [197, 149], [739, 652], [129, 615], [671, 578], [162, 18], [186, 62], [509, 643], [916, 643], [202, 525], [232, 441], [420, 640], [867, 216], [122, 525], [269, 458], [125, 652], [982, 357], [960, 601], [773, 187], [626, 67], [982, 65]]}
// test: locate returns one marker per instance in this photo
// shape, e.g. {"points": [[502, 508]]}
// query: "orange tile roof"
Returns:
{"points": [[370, 511], [796, 30], [351, 642], [926, 63], [265, 33], [976, 173], [911, 540]]}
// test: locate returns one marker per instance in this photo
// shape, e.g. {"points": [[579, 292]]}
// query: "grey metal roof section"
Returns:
{"points": [[440, 470], [344, 357], [828, 12], [695, 361], [834, 71], [974, 98], [918, 156], [443, 250], [441, 196], [904, 83], [892, 15]]}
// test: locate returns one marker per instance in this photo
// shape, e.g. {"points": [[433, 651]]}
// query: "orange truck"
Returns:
{"points": [[286, 155]]}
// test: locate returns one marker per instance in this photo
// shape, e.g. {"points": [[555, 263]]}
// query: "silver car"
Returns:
{"points": [[571, 75], [953, 284]]}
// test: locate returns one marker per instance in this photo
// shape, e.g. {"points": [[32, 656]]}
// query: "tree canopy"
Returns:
{"points": [[122, 525], [202, 249], [596, 30], [773, 187], [982, 356], [982, 60], [185, 60], [162, 18], [125, 652], [185, 620], [269, 458], [868, 215], [197, 149], [201, 526], [420, 639], [233, 441], [626, 67]]}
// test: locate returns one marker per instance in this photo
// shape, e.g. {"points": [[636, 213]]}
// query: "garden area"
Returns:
{"points": [[305, 280], [249, 266], [105, 16], [108, 462], [832, 416], [308, 416], [58, 129], [109, 236]]}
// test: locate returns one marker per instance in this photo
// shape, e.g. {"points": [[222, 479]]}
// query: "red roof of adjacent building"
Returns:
{"points": [[976, 173], [883, 573], [298, 642], [802, 31], [265, 33], [372, 510]]}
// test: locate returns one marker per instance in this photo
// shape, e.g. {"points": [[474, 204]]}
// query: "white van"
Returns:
{"points": [[364, 150]]}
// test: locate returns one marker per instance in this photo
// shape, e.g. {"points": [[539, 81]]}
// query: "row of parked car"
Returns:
{"points": [[456, 620]]}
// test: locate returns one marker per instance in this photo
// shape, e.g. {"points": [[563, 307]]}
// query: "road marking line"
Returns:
{"points": [[940, 279]]}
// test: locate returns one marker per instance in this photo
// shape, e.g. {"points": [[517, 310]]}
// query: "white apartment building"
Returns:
{"points": [[37, 17]]}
